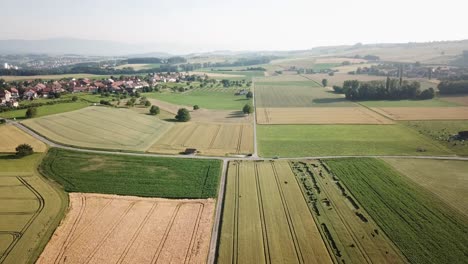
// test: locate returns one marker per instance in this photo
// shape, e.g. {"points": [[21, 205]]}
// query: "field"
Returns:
{"points": [[308, 140], [320, 115], [424, 113], [138, 67], [448, 179], [54, 77], [456, 99], [435, 102], [132, 175], [208, 138], [442, 132], [266, 219], [295, 91], [46, 110], [101, 127], [208, 100], [11, 137], [421, 225], [30, 209], [116, 229], [351, 235]]}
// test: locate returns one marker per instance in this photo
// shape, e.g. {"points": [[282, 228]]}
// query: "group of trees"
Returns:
{"points": [[391, 89], [453, 87]]}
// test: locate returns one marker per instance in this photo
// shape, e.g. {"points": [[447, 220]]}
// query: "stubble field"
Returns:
{"points": [[11, 137], [266, 219], [116, 229]]}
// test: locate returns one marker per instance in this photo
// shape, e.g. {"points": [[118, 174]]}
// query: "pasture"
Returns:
{"points": [[208, 138], [319, 115], [320, 140], [420, 224], [352, 235], [205, 99], [30, 208], [295, 92], [443, 132], [46, 110], [266, 219], [101, 128], [116, 229], [11, 137], [424, 113], [448, 179], [132, 175]]}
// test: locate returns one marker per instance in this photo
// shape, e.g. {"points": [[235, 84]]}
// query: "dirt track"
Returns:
{"points": [[123, 229]]}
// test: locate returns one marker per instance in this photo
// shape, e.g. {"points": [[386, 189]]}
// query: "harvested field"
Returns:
{"points": [[102, 128], [352, 235], [424, 113], [30, 209], [458, 99], [295, 91], [208, 138], [266, 219], [420, 224], [115, 229], [11, 137], [448, 179], [320, 115]]}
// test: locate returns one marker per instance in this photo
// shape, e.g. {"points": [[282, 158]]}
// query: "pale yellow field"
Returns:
{"points": [[424, 113], [320, 115], [11, 137], [208, 138]]}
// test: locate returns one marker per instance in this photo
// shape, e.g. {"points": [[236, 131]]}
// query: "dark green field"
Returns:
{"points": [[132, 175], [423, 227]]}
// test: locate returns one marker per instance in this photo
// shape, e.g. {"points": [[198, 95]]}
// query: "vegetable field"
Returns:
{"points": [[102, 128], [266, 219], [421, 225], [132, 175]]}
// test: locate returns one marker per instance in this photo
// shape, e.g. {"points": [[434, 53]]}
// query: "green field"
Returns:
{"points": [[207, 100], [408, 103], [318, 140], [265, 217], [442, 132], [132, 175], [100, 127], [46, 110], [30, 208], [298, 92], [423, 227], [448, 179]]}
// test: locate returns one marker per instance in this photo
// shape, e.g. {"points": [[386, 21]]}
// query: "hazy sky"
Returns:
{"points": [[204, 25]]}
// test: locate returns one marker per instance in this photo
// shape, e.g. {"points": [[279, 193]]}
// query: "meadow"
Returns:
{"points": [[46, 110], [102, 128], [423, 227], [204, 99], [352, 235], [265, 218], [30, 208], [11, 137], [319, 140], [445, 178], [442, 131], [132, 175]]}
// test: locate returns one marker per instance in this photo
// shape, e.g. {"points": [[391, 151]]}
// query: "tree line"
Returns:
{"points": [[390, 89], [453, 87]]}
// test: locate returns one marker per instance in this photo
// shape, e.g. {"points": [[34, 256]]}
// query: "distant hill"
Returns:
{"points": [[75, 46]]}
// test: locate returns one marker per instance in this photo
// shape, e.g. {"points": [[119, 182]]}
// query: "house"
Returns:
{"points": [[14, 93], [79, 89], [39, 87], [30, 94], [5, 97]]}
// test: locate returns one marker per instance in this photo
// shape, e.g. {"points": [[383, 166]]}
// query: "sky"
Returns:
{"points": [[208, 25]]}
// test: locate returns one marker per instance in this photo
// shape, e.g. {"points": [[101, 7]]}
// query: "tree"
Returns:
{"points": [[183, 115], [154, 110], [249, 95], [196, 107], [75, 98], [31, 112], [324, 82], [147, 103], [24, 150], [247, 109]]}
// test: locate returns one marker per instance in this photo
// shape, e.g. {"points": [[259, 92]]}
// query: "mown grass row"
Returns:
{"points": [[424, 228], [132, 175]]}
